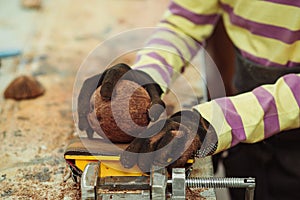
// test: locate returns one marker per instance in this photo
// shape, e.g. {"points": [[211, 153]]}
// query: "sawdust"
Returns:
{"points": [[194, 194], [42, 181]]}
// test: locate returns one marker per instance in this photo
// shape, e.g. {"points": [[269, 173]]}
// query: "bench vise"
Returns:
{"points": [[101, 176]]}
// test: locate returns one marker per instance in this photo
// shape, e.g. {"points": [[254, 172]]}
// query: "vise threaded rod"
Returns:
{"points": [[219, 182], [216, 182]]}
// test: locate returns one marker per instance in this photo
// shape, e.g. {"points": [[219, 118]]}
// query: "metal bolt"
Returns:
{"points": [[216, 182]]}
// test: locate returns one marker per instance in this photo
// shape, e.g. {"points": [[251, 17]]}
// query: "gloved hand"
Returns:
{"points": [[108, 80], [168, 142]]}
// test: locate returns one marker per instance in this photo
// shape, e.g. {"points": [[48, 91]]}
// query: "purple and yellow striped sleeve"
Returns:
{"points": [[256, 28], [256, 115], [259, 30], [179, 36]]}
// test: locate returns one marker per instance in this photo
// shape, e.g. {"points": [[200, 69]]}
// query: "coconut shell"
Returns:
{"points": [[124, 116], [32, 4], [24, 87]]}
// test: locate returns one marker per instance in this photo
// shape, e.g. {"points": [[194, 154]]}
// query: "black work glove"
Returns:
{"points": [[167, 143], [108, 80]]}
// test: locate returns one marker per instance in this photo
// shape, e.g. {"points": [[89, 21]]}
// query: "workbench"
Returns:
{"points": [[55, 40]]}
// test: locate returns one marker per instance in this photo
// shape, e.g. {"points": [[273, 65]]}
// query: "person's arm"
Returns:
{"points": [[183, 29], [185, 25], [256, 115]]}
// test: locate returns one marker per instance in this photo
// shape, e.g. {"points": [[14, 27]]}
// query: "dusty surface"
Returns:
{"points": [[55, 40]]}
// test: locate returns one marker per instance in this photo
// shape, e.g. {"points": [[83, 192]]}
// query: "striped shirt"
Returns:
{"points": [[266, 32], [255, 115]]}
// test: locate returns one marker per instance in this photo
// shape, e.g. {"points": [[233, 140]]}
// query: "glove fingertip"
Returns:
{"points": [[155, 111], [145, 162], [129, 157], [90, 133], [127, 160], [106, 91]]}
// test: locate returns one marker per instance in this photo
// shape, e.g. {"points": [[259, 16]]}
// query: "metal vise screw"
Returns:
{"points": [[214, 182], [179, 182]]}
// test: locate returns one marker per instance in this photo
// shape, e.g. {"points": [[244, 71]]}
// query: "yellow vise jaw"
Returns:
{"points": [[82, 151], [109, 165]]}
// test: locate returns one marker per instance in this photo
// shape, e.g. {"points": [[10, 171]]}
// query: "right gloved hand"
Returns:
{"points": [[108, 80], [171, 142], [179, 136]]}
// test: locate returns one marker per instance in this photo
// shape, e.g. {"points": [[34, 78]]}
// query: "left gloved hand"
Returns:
{"points": [[168, 142], [108, 79]]}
